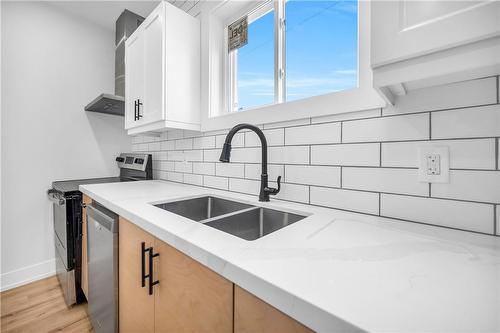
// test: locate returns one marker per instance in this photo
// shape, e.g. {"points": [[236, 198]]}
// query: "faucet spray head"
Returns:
{"points": [[226, 153]]}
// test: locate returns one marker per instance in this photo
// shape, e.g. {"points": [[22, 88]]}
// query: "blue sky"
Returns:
{"points": [[321, 52]]}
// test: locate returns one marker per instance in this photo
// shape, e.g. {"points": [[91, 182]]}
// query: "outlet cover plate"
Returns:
{"points": [[441, 155]]}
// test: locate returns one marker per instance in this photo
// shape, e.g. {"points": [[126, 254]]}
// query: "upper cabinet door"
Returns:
{"points": [[406, 29], [153, 36], [134, 78]]}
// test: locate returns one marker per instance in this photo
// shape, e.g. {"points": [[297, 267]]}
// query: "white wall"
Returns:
{"points": [[53, 64]]}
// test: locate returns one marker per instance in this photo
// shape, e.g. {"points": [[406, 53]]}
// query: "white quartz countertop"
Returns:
{"points": [[335, 271]]}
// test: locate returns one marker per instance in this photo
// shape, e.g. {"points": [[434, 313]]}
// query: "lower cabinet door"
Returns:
{"points": [[136, 310], [252, 315], [189, 296]]}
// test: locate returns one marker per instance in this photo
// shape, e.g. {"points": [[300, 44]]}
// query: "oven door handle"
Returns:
{"points": [[56, 197]]}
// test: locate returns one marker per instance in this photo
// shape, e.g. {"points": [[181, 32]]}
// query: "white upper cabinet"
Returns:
{"points": [[162, 68], [421, 43]]}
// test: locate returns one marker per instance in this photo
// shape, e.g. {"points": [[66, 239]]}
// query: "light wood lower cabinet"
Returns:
{"points": [[136, 306], [188, 298], [252, 315], [86, 200]]}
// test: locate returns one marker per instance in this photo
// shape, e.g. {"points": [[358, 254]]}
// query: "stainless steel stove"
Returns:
{"points": [[67, 203]]}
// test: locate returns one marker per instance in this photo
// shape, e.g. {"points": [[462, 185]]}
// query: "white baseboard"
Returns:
{"points": [[27, 274]]}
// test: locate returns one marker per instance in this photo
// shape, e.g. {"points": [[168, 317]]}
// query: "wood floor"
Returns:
{"points": [[39, 307]]}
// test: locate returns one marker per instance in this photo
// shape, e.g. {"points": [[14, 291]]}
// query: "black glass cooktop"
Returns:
{"points": [[66, 186]]}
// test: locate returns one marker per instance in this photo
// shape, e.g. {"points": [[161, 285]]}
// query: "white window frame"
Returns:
{"points": [[215, 111], [232, 63]]}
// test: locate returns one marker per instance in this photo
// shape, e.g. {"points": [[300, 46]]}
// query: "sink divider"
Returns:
{"points": [[241, 211]]}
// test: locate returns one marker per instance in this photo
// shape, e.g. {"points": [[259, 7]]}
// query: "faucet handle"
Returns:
{"points": [[274, 191]]}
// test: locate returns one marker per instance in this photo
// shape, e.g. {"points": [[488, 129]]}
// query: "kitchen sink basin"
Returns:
{"points": [[203, 208], [254, 223]]}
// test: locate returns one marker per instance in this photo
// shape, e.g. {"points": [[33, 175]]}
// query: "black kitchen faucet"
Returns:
{"points": [[265, 190]]}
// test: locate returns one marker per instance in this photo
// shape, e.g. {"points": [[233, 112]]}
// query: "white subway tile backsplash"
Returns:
{"points": [[313, 175], [394, 128], [274, 137], [363, 154], [347, 116], [193, 179], [456, 95], [313, 134], [204, 142], [204, 168], [167, 145], [167, 165], [184, 144], [153, 146], [253, 171], [288, 155], [481, 186], [237, 141], [245, 155], [193, 155], [216, 182], [175, 155], [211, 155], [136, 139], [184, 167], [293, 192], [402, 181], [175, 176], [361, 161], [175, 134], [191, 134], [365, 202], [230, 170], [244, 186], [481, 121], [449, 213], [464, 154]]}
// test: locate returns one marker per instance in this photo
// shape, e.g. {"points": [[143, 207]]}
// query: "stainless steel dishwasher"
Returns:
{"points": [[102, 231]]}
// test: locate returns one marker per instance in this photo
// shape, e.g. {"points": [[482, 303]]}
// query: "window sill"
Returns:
{"points": [[358, 99]]}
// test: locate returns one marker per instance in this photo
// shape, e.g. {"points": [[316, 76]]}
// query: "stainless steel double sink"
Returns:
{"points": [[233, 217]]}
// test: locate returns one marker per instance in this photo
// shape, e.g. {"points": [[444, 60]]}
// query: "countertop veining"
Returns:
{"points": [[335, 270]]}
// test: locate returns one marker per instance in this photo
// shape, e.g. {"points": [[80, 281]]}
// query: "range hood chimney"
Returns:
{"points": [[115, 104]]}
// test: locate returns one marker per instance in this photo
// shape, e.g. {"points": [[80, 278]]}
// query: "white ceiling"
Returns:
{"points": [[104, 13]]}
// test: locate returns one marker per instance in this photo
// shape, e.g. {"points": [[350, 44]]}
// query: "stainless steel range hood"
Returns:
{"points": [[109, 103]]}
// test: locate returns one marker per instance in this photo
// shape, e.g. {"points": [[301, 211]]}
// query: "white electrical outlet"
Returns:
{"points": [[434, 164]]}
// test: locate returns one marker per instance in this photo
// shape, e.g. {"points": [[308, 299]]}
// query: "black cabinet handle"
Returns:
{"points": [[151, 273], [143, 264], [138, 116]]}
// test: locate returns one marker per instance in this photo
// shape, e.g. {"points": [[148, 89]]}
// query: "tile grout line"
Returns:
{"points": [[430, 125], [495, 212], [498, 89], [497, 152], [379, 203]]}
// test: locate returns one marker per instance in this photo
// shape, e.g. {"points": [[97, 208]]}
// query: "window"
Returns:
{"points": [[296, 49]]}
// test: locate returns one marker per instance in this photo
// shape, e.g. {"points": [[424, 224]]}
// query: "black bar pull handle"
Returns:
{"points": [[144, 276], [151, 273], [135, 110], [139, 115]]}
